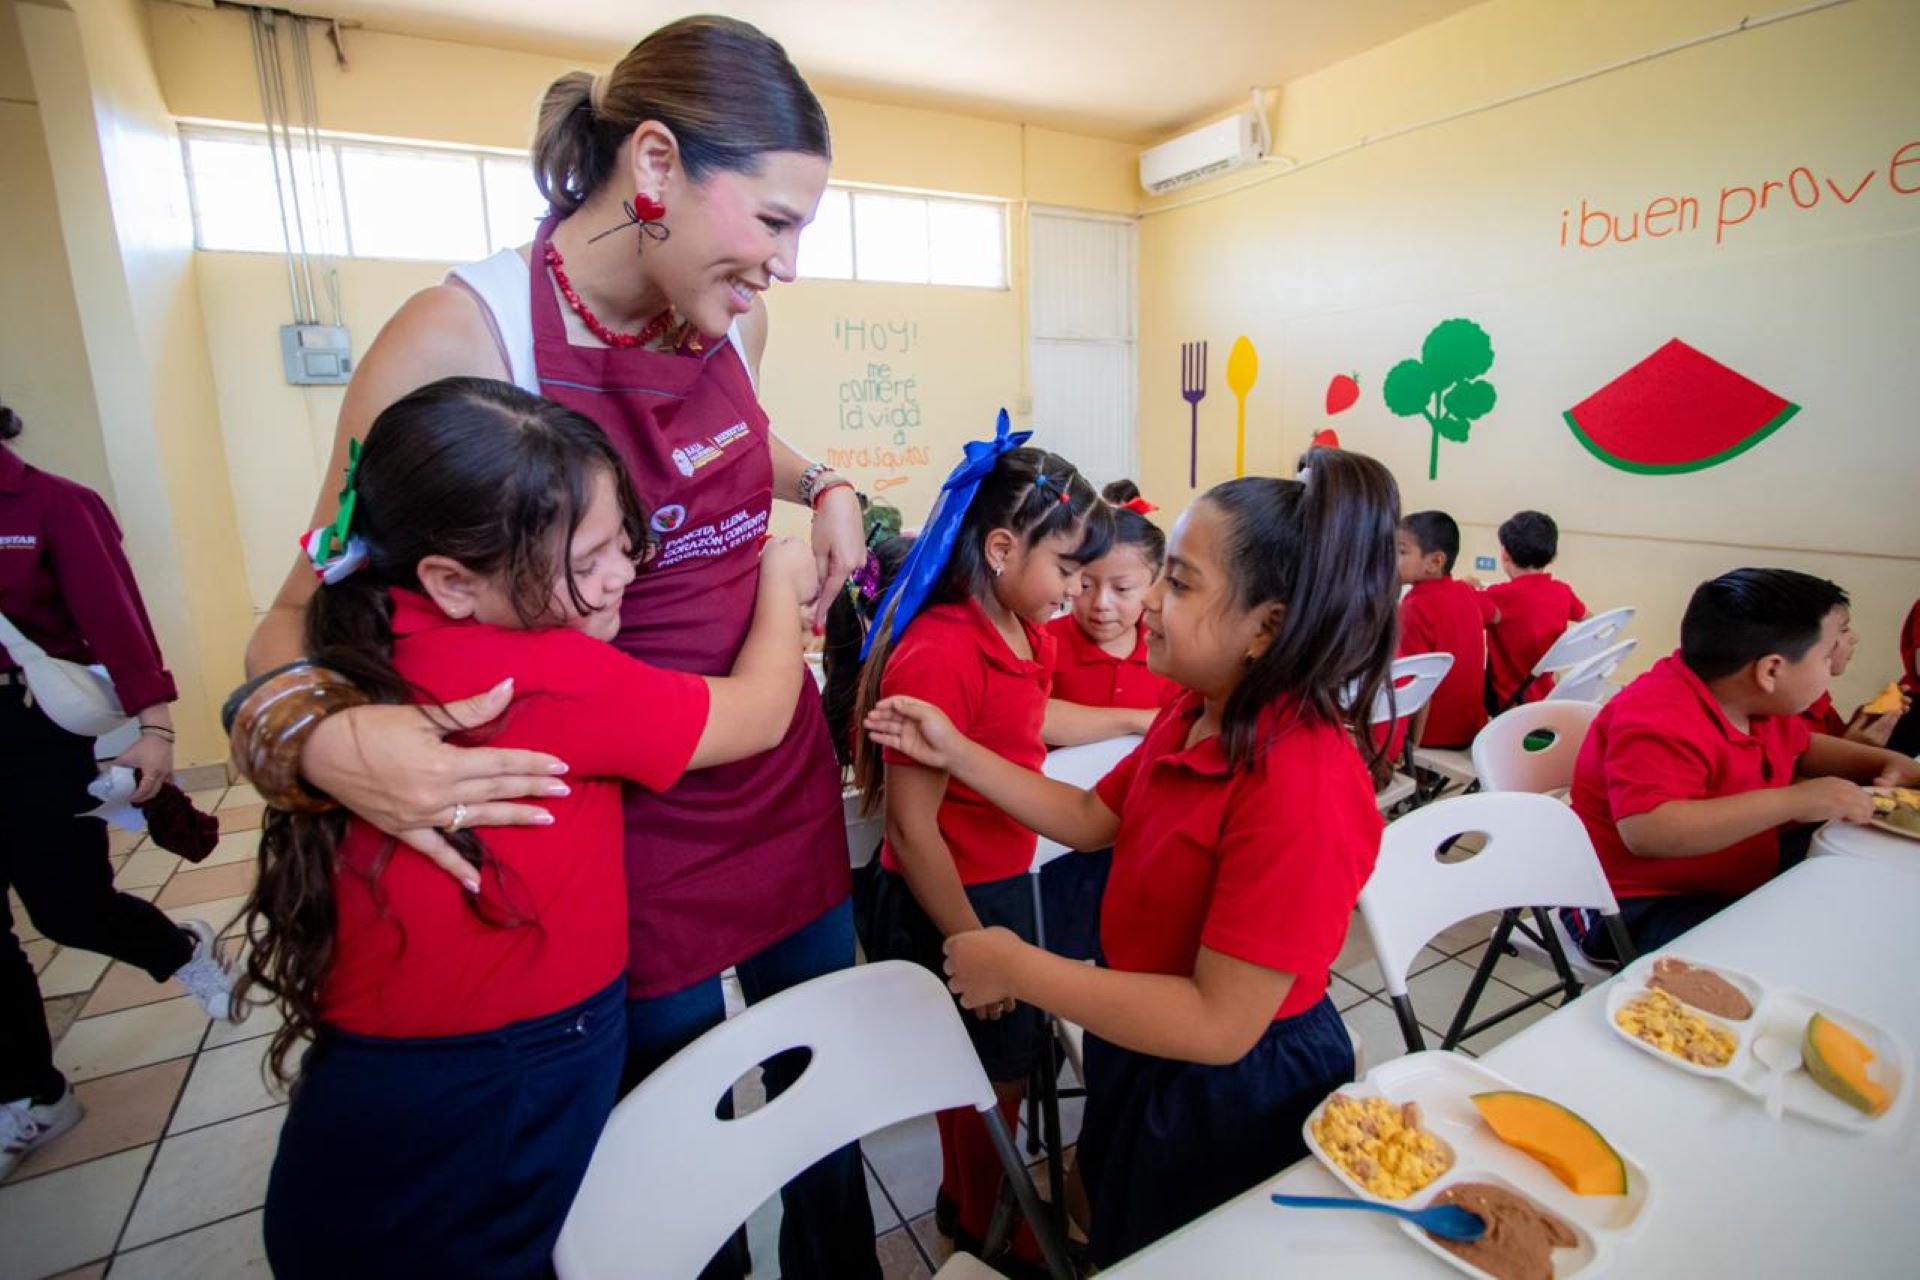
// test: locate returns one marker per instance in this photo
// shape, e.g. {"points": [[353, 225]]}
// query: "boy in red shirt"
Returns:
{"points": [[1689, 774], [1530, 610], [1441, 614]]}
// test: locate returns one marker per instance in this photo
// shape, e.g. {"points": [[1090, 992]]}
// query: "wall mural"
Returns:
{"points": [[1243, 370], [1444, 385], [1342, 393], [1193, 389], [1678, 410]]}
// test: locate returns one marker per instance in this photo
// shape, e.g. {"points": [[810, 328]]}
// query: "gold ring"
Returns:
{"points": [[459, 820]]}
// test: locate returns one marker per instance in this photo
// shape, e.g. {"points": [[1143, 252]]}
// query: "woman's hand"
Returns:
{"points": [[839, 546], [152, 756], [980, 969], [916, 729], [390, 765]]}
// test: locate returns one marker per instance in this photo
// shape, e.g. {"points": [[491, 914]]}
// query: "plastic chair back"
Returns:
{"points": [[1537, 853], [1413, 680], [1503, 762], [1583, 640], [670, 1181], [1588, 681]]}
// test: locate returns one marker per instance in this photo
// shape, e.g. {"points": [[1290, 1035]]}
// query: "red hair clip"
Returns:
{"points": [[1139, 507]]}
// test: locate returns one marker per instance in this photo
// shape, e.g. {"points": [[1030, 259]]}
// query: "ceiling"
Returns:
{"points": [[1134, 70]]}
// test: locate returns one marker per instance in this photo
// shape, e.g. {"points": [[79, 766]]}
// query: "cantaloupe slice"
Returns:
{"points": [[1572, 1149], [1837, 1060], [1887, 701]]}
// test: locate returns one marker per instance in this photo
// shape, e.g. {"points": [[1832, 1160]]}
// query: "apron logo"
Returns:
{"points": [[690, 458], [669, 518], [18, 541]]}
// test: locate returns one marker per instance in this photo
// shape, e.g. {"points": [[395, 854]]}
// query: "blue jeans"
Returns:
{"points": [[826, 1227]]}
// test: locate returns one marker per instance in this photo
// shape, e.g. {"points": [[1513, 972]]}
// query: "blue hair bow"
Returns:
{"points": [[928, 558]]}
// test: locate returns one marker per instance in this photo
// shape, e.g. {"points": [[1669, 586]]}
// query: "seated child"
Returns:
{"points": [[1906, 734], [1530, 610], [849, 619], [1822, 717], [1690, 772], [1441, 614]]}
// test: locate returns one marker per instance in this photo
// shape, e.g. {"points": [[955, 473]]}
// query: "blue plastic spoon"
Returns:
{"points": [[1448, 1221]]}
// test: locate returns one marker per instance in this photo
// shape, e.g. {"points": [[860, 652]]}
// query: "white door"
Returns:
{"points": [[1081, 273]]}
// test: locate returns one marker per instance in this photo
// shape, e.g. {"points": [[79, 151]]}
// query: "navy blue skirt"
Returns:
{"points": [[1071, 889], [1164, 1141], [897, 929], [455, 1156]]}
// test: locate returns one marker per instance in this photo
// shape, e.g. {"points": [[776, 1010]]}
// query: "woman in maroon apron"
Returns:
{"points": [[679, 184]]}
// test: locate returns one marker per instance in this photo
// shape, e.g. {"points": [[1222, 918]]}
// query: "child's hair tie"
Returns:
{"points": [[865, 580], [1047, 484], [333, 550], [1139, 507]]}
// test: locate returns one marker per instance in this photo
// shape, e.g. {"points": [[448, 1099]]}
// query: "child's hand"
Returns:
{"points": [[980, 966], [915, 729], [1475, 583], [1876, 731], [790, 561], [1904, 774], [1821, 799]]}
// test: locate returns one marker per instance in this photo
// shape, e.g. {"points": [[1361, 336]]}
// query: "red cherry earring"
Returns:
{"points": [[644, 212]]}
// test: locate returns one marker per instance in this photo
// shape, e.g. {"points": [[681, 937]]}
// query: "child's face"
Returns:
{"points": [[1113, 591], [1197, 633], [1849, 641], [601, 563], [1036, 580], [1792, 687], [1415, 565]]}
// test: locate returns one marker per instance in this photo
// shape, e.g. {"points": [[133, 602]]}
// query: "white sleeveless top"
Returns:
{"points": [[501, 282]]}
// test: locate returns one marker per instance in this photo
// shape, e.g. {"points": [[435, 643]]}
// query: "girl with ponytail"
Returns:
{"points": [[1243, 829], [467, 1034]]}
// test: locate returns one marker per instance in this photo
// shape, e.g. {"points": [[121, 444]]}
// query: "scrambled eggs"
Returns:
{"points": [[1666, 1024], [1380, 1145]]}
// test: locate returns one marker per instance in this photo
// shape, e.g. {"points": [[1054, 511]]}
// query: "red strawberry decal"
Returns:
{"points": [[1343, 392]]}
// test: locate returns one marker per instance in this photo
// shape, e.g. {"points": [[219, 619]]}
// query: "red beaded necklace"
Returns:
{"points": [[651, 331]]}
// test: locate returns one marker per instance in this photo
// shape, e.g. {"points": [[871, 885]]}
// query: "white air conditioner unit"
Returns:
{"points": [[1208, 152]]}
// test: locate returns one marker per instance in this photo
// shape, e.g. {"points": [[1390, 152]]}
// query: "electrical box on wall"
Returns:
{"points": [[1484, 564], [316, 354]]}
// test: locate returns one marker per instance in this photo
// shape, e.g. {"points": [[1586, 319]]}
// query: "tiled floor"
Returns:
{"points": [[165, 1176]]}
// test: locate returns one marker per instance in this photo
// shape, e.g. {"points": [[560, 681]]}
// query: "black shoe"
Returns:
{"points": [[946, 1214]]}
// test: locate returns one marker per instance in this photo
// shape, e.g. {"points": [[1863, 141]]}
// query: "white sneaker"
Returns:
{"points": [[26, 1124], [207, 977]]}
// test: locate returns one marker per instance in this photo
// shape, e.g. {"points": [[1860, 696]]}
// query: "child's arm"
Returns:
{"points": [[913, 832], [1830, 757], [1075, 818], [1071, 724], [1689, 828], [750, 710], [1214, 1017]]}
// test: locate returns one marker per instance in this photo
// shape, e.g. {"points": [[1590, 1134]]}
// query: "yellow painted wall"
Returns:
{"points": [[43, 363], [1345, 264], [930, 365], [115, 164]]}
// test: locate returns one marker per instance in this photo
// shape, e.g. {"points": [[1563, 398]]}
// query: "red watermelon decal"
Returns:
{"points": [[1677, 411]]}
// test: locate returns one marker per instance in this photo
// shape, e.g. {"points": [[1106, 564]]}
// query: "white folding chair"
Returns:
{"points": [[1533, 748], [1579, 642], [1588, 681], [1410, 687], [670, 1181], [1536, 852], [863, 833]]}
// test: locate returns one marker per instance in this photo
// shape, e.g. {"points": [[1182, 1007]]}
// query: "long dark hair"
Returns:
{"points": [[496, 479], [1009, 499], [726, 89], [1324, 550], [847, 621]]}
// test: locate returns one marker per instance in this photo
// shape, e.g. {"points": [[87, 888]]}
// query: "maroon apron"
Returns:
{"points": [[736, 857]]}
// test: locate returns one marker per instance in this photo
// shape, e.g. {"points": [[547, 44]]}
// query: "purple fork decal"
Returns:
{"points": [[1193, 389]]}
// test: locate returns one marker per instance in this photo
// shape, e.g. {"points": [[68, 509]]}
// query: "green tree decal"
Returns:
{"points": [[1444, 385]]}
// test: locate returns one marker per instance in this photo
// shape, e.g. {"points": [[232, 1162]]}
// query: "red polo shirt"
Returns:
{"points": [[1909, 647], [1086, 674], [1534, 609], [1264, 864], [1663, 738], [1822, 718], [66, 584], [954, 657], [1445, 615], [411, 957]]}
